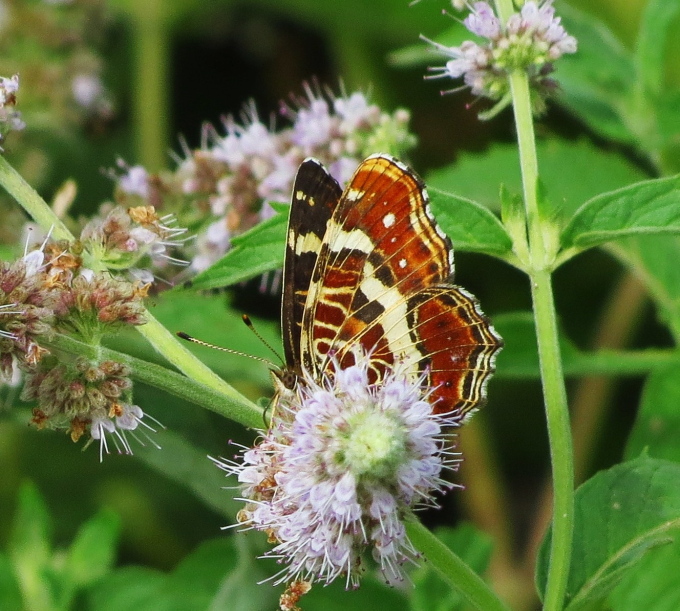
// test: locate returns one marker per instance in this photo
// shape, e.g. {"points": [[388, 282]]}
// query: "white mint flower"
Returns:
{"points": [[120, 419], [341, 466]]}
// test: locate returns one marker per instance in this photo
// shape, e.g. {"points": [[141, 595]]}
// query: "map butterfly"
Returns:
{"points": [[369, 266]]}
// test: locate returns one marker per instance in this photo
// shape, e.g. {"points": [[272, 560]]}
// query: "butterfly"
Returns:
{"points": [[370, 267]]}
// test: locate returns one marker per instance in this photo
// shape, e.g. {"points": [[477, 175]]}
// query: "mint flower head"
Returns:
{"points": [[86, 398], [342, 464], [136, 240], [531, 40], [227, 185]]}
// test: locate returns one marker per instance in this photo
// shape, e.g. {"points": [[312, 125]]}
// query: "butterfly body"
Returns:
{"points": [[369, 267]]}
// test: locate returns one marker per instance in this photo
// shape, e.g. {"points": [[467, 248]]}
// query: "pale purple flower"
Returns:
{"points": [[531, 40], [483, 21], [342, 464], [355, 112], [312, 126]]}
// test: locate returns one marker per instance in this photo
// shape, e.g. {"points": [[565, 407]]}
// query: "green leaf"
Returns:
{"points": [[597, 82], [129, 588], [431, 592], [470, 225], [210, 317], [657, 425], [373, 594], [254, 252], [572, 172], [30, 549], [222, 574], [653, 583], [649, 207], [219, 574], [651, 48], [93, 551], [621, 514], [654, 259], [519, 357]]}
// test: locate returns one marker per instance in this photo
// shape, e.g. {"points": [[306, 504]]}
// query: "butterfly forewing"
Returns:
{"points": [[315, 197]]}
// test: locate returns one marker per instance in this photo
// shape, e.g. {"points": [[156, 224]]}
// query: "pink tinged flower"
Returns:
{"points": [[355, 112], [256, 139], [528, 41], [276, 185], [229, 148], [343, 462], [343, 169]]}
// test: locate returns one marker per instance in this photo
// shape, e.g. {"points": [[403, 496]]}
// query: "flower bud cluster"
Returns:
{"points": [[226, 186], [49, 291], [84, 398], [26, 314], [531, 40], [90, 306], [137, 240]]}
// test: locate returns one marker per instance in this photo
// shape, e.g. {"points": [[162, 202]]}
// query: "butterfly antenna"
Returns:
{"points": [[200, 342], [251, 326]]}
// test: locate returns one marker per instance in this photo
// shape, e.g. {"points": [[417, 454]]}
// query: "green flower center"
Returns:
{"points": [[375, 445]]}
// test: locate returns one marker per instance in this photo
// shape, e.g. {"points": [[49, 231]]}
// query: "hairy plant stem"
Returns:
{"points": [[165, 379], [554, 393]]}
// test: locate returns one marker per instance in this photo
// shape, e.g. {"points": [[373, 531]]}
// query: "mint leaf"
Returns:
{"points": [[469, 225], [621, 514], [649, 207]]}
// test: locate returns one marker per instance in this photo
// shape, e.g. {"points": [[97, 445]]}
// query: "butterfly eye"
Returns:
{"points": [[289, 379]]}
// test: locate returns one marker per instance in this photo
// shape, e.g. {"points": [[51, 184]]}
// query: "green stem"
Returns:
{"points": [[170, 381], [559, 434], [452, 568], [175, 352], [554, 392], [29, 199]]}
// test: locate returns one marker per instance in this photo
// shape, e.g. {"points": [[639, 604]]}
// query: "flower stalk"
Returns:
{"points": [[550, 360]]}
